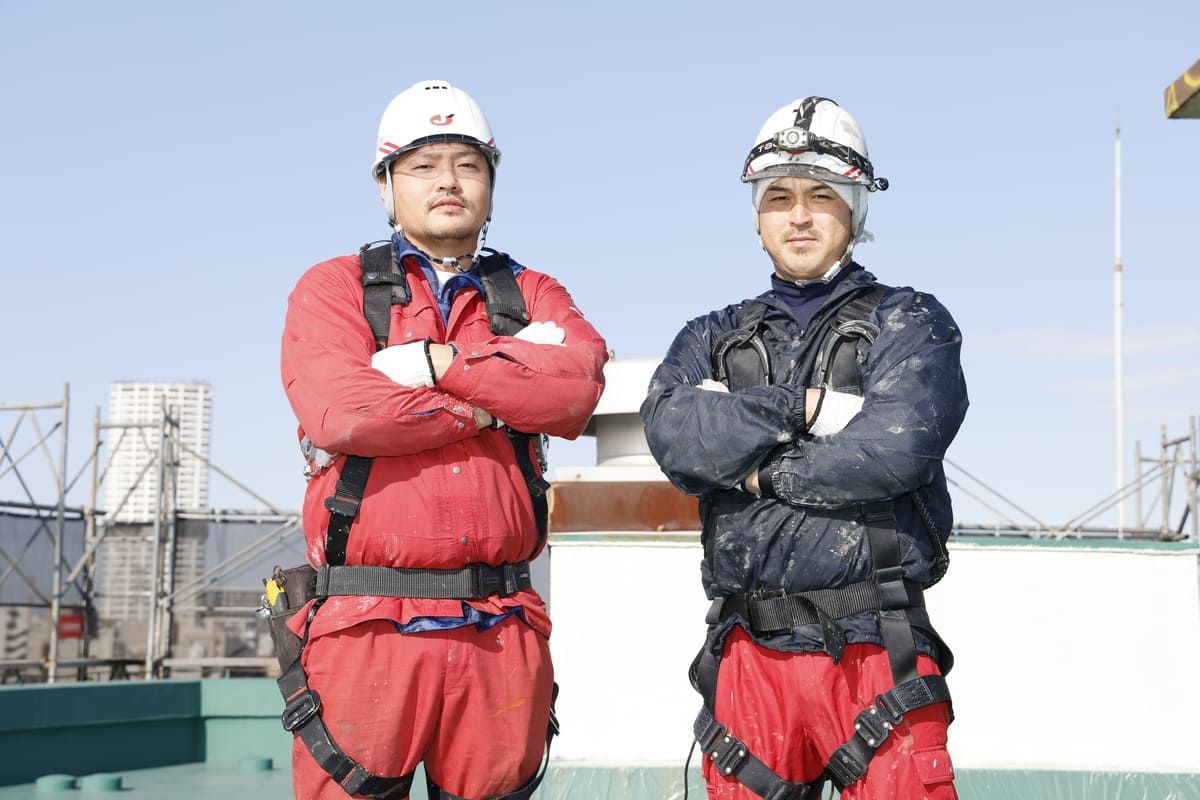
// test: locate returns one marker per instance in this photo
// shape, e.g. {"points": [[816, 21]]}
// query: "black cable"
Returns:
{"points": [[686, 766]]}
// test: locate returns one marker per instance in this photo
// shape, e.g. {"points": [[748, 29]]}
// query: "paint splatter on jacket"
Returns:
{"points": [[811, 535]]}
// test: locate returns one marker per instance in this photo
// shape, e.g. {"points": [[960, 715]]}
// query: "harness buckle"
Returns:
{"points": [[874, 727], [727, 752], [341, 505], [892, 591], [766, 610], [512, 577], [300, 709], [845, 767], [891, 715]]}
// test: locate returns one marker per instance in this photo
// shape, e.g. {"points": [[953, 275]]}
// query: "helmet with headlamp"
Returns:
{"points": [[815, 138]]}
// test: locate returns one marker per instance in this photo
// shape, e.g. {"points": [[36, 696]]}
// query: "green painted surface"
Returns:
{"points": [[194, 739], [214, 781], [82, 728], [33, 706], [1053, 543], [241, 719]]}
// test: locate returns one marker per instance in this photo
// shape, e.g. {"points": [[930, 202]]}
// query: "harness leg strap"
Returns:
{"points": [[874, 725], [302, 717], [731, 757]]}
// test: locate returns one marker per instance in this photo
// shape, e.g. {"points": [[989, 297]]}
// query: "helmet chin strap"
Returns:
{"points": [[830, 273]]}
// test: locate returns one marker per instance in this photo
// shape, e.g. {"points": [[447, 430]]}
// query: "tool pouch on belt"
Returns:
{"points": [[287, 592]]}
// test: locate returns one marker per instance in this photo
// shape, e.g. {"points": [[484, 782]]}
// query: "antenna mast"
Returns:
{"points": [[1118, 337]]}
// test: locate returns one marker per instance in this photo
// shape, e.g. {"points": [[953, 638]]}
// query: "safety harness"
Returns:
{"points": [[385, 285], [740, 358]]}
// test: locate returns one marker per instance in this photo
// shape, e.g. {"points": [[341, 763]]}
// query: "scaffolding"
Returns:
{"points": [[73, 573], [1174, 475]]}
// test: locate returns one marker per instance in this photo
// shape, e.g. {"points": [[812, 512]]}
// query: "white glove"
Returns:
{"points": [[836, 410], [406, 364], [542, 333], [709, 385]]}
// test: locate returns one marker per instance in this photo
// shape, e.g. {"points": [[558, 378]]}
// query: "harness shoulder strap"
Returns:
{"points": [[740, 358], [837, 364], [384, 285], [508, 314], [505, 303]]}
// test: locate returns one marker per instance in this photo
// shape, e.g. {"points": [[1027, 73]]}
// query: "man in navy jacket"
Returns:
{"points": [[812, 421]]}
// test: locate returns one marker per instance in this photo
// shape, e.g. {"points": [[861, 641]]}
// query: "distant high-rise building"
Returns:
{"points": [[131, 489], [133, 469]]}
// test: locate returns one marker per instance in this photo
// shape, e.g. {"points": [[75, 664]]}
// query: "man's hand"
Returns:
{"points": [[542, 333], [406, 364], [482, 419], [709, 385]]}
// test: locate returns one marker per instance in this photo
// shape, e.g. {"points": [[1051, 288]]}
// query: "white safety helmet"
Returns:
{"points": [[429, 112], [815, 138]]}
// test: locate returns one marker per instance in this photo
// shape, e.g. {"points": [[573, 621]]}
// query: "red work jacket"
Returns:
{"points": [[441, 493]]}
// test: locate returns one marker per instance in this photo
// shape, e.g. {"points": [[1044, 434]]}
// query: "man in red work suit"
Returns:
{"points": [[461, 683]]}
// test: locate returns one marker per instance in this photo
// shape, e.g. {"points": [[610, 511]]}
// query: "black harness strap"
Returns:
{"points": [[731, 757], [384, 285], [740, 358], [302, 717], [836, 366], [850, 762], [473, 582], [343, 506], [872, 727], [505, 304]]}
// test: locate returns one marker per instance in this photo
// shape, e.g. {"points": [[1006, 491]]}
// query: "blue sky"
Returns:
{"points": [[167, 172]]}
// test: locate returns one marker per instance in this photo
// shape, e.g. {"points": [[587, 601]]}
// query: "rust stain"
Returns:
{"points": [[621, 506]]}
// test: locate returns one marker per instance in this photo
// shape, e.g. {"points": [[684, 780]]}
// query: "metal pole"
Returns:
{"points": [[89, 517], [59, 533], [1118, 336], [1193, 481], [170, 498], [1168, 471], [155, 559], [1139, 519]]}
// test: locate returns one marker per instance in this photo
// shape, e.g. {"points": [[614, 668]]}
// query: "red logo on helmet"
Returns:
{"points": [[438, 119]]}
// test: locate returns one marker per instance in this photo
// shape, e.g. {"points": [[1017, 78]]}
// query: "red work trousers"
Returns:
{"points": [[473, 705], [794, 709]]}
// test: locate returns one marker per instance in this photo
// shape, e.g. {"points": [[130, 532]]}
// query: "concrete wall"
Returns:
{"points": [[1077, 656]]}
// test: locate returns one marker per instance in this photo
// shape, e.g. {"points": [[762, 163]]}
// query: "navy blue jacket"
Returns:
{"points": [[810, 534]]}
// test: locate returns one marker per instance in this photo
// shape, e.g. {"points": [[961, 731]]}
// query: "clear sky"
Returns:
{"points": [[167, 171]]}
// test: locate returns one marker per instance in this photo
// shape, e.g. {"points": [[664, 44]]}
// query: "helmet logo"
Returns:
{"points": [[438, 119]]}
